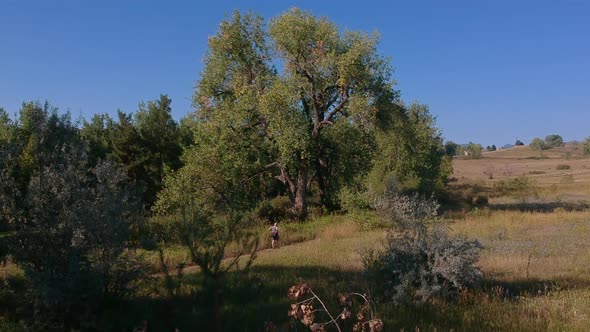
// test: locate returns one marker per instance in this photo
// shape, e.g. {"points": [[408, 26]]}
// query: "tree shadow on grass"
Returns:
{"points": [[259, 296], [547, 207], [516, 289], [250, 299]]}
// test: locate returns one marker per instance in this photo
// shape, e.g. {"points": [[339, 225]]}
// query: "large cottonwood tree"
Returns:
{"points": [[299, 99]]}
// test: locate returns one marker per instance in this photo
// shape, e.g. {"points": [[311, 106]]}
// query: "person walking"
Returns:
{"points": [[274, 234]]}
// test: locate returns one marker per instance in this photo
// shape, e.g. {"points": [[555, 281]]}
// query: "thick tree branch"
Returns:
{"points": [[343, 100], [284, 178], [312, 94], [261, 170]]}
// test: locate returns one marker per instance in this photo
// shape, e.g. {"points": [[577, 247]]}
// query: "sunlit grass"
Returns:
{"points": [[537, 274]]}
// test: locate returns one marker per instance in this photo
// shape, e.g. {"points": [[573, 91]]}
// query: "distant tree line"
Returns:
{"points": [[551, 141], [469, 151]]}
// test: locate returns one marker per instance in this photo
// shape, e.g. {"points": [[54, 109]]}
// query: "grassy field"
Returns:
{"points": [[536, 267], [536, 260], [559, 175]]}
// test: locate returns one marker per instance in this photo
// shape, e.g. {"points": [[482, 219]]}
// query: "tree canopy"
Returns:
{"points": [[297, 101]]}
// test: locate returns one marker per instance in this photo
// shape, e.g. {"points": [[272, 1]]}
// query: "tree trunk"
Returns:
{"points": [[321, 172], [301, 191]]}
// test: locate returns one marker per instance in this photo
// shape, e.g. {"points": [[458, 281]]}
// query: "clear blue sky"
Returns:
{"points": [[490, 70]]}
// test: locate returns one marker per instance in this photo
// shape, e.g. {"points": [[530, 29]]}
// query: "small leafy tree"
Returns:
{"points": [[71, 239], [538, 144], [586, 146], [68, 219], [411, 152], [493, 148], [473, 151], [98, 134], [207, 231], [553, 141], [518, 143], [451, 148]]}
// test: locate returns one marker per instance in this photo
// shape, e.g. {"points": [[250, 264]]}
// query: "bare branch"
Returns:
{"points": [[343, 99]]}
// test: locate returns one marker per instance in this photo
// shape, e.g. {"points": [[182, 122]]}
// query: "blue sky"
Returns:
{"points": [[490, 71]]}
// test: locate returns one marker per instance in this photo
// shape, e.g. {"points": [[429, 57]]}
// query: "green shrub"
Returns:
{"points": [[275, 209], [536, 172], [76, 258], [473, 151], [472, 195], [353, 201], [538, 144], [587, 146], [519, 186], [13, 286], [479, 200], [553, 140]]}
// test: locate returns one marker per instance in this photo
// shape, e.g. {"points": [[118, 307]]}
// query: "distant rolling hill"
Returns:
{"points": [[561, 173]]}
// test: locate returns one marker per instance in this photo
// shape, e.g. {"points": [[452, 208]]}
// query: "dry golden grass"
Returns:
{"points": [[342, 253], [540, 246], [536, 265], [558, 175]]}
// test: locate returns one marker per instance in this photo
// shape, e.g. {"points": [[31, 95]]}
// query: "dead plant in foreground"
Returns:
{"points": [[307, 307]]}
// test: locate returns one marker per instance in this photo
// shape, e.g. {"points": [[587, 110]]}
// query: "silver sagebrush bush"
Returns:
{"points": [[419, 262]]}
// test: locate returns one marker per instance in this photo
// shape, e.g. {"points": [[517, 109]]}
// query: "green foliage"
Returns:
{"points": [[65, 220], [518, 143], [519, 187], [312, 118], [470, 195], [7, 127], [71, 239], [208, 239], [473, 151], [146, 145], [451, 148], [276, 209], [493, 147], [587, 146], [553, 141], [538, 144], [411, 152], [40, 131], [353, 200], [99, 135]]}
